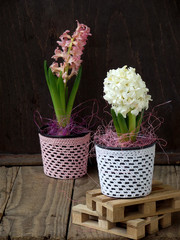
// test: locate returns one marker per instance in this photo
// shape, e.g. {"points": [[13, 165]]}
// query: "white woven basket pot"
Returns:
{"points": [[125, 173], [65, 158]]}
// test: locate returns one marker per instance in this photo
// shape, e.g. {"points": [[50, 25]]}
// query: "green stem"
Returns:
{"points": [[70, 46], [62, 94]]}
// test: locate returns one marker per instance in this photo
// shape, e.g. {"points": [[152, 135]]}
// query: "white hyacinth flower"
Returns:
{"points": [[125, 91]]}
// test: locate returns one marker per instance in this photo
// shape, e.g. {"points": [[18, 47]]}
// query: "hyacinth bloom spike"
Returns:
{"points": [[72, 49]]}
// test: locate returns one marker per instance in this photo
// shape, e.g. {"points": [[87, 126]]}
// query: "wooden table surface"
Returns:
{"points": [[34, 206]]}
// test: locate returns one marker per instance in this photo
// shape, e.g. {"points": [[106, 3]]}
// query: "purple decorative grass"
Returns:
{"points": [[79, 123], [107, 136]]}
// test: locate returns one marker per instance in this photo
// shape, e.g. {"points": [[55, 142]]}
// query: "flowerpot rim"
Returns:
{"points": [[57, 136], [124, 148]]}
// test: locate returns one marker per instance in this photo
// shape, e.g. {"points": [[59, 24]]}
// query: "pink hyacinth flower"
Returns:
{"points": [[69, 51]]}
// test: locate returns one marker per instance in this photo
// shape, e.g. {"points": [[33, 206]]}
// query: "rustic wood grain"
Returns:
{"points": [[143, 34], [38, 207], [164, 173], [7, 178], [20, 159], [167, 158], [177, 169]]}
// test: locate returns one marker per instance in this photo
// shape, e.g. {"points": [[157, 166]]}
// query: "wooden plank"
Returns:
{"points": [[167, 158], [20, 160], [38, 207], [36, 160], [7, 178], [177, 172], [166, 174]]}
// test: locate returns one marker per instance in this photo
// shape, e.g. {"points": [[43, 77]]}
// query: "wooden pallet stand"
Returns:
{"points": [[134, 229], [163, 199]]}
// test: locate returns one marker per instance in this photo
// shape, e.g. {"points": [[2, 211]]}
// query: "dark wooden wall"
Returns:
{"points": [[140, 33]]}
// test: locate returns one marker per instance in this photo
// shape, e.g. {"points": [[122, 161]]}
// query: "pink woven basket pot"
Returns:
{"points": [[65, 158]]}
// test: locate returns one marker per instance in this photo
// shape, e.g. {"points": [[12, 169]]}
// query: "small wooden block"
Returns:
{"points": [[105, 224], [136, 222], [102, 211], [115, 215], [94, 192], [89, 198], [152, 227], [136, 228], [176, 203], [78, 217], [83, 209], [148, 208], [90, 203], [136, 233], [165, 221]]}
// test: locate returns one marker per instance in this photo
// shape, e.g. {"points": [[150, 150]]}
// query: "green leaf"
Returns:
{"points": [[132, 126], [52, 80], [122, 123], [115, 121], [139, 119], [127, 121], [73, 94], [53, 88], [66, 93], [45, 72]]}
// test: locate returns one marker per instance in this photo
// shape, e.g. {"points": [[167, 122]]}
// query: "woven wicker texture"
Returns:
{"points": [[125, 173], [65, 158]]}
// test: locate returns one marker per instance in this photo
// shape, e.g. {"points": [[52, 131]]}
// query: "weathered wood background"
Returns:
{"points": [[143, 34]]}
